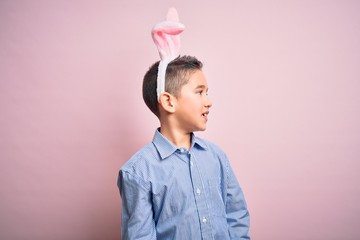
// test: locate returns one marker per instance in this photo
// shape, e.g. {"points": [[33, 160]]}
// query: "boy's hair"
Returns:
{"points": [[177, 75]]}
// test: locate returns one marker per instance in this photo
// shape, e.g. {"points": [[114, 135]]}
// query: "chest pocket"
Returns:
{"points": [[216, 201]]}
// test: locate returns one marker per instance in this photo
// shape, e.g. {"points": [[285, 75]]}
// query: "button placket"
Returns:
{"points": [[200, 198]]}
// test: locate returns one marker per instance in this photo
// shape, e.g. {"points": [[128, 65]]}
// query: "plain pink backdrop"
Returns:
{"points": [[284, 79]]}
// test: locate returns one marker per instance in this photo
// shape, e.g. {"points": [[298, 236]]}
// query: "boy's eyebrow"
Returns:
{"points": [[201, 87]]}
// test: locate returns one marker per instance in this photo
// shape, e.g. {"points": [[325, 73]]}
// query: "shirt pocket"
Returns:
{"points": [[216, 200]]}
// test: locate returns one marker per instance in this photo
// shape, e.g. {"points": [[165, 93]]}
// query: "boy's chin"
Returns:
{"points": [[201, 129]]}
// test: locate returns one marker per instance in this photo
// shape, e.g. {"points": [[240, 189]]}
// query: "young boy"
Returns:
{"points": [[180, 186]]}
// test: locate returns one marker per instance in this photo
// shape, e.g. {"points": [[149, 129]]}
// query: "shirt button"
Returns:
{"points": [[198, 191], [181, 150], [204, 220]]}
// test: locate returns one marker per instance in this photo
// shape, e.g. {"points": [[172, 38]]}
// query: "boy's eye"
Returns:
{"points": [[202, 93]]}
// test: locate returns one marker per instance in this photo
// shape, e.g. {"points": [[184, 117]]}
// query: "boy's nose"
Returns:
{"points": [[208, 103]]}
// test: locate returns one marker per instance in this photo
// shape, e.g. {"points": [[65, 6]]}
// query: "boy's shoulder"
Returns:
{"points": [[148, 159], [209, 145], [142, 156]]}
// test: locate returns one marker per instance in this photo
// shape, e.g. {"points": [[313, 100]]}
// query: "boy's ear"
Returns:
{"points": [[167, 102]]}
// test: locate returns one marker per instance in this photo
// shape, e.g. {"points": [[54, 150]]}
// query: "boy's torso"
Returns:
{"points": [[187, 188]]}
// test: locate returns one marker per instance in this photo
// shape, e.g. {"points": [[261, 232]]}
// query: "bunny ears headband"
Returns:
{"points": [[166, 36]]}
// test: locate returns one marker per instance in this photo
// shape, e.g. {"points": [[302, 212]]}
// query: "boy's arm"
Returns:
{"points": [[238, 218], [137, 213]]}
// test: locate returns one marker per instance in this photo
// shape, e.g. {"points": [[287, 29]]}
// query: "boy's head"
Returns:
{"points": [[177, 75]]}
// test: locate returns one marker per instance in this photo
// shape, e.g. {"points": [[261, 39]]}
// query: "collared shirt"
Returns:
{"points": [[172, 193]]}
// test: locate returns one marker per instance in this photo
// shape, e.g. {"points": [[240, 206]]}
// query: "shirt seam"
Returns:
{"points": [[145, 187]]}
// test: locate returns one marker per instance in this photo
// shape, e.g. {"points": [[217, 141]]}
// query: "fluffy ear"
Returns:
{"points": [[166, 36]]}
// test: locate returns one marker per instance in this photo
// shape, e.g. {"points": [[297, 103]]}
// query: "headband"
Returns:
{"points": [[166, 36]]}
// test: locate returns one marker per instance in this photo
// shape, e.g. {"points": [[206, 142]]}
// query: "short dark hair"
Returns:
{"points": [[177, 75]]}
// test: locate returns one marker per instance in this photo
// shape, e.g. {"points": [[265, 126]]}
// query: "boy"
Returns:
{"points": [[180, 186]]}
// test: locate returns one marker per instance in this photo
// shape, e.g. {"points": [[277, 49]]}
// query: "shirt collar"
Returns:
{"points": [[166, 148]]}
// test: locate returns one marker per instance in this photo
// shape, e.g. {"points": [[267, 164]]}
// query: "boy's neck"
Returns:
{"points": [[177, 137]]}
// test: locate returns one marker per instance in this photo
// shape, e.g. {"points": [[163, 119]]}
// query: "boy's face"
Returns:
{"points": [[193, 104]]}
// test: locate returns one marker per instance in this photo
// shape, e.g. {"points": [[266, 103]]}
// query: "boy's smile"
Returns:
{"points": [[192, 105]]}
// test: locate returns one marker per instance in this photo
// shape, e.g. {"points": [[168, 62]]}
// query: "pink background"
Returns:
{"points": [[284, 78]]}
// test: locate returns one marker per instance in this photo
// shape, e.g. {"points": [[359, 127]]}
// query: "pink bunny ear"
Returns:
{"points": [[166, 36]]}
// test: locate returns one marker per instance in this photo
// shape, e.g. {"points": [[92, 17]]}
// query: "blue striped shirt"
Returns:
{"points": [[172, 193]]}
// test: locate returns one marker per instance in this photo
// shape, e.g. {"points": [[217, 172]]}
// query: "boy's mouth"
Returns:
{"points": [[205, 114]]}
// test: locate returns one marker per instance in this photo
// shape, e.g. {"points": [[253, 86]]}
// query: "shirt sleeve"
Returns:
{"points": [[137, 213], [238, 218]]}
